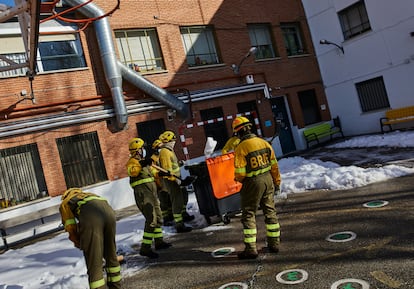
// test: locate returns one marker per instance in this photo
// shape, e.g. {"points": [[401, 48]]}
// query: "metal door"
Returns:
{"points": [[283, 126]]}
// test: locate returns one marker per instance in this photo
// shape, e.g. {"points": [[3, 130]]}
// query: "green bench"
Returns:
{"points": [[319, 132], [398, 115]]}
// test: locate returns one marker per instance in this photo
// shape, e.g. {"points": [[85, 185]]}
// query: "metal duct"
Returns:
{"points": [[11, 128], [156, 92], [107, 51], [112, 68]]}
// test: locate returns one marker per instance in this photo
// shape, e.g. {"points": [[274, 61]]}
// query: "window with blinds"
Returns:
{"points": [[21, 175], [260, 37], [140, 50], [354, 20], [59, 51], [200, 45]]}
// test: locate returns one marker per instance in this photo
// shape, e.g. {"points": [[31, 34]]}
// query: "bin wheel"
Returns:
{"points": [[225, 218], [208, 220]]}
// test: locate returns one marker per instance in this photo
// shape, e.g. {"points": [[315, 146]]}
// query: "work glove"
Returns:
{"points": [[178, 181], [164, 174], [145, 162]]}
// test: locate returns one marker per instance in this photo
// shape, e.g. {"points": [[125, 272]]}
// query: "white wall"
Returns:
{"points": [[387, 50]]}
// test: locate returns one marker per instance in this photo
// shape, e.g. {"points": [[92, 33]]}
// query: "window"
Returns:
{"points": [[140, 49], [354, 20], [21, 175], [199, 45], [310, 107], [293, 39], [216, 129], [55, 52], [260, 37], [372, 94], [81, 160]]}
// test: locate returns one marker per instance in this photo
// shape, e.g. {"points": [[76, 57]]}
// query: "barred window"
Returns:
{"points": [[200, 45], [354, 20], [372, 94], [21, 175], [140, 49], [81, 159], [292, 36], [260, 37]]}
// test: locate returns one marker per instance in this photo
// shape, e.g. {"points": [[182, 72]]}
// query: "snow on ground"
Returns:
{"points": [[55, 264]]}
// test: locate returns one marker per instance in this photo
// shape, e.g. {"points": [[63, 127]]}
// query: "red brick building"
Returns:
{"points": [[181, 65]]}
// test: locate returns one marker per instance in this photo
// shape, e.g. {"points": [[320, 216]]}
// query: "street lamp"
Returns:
{"points": [[324, 41], [236, 68]]}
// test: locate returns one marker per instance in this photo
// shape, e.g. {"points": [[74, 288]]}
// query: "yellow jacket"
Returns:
{"points": [[231, 144], [168, 161], [138, 174], [254, 156], [69, 211]]}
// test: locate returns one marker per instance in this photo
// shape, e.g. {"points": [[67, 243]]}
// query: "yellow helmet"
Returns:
{"points": [[135, 144], [69, 191], [167, 136], [156, 144], [240, 122]]}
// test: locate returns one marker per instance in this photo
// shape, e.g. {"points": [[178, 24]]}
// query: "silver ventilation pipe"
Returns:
{"points": [[112, 68], [107, 51], [156, 92]]}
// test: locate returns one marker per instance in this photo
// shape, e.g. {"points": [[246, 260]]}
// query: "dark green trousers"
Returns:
{"points": [[97, 230], [258, 192]]}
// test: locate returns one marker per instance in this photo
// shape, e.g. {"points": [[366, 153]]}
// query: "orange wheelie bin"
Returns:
{"points": [[216, 190]]}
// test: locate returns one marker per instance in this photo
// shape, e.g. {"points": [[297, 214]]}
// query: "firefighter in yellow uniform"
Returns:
{"points": [[169, 162], [91, 224], [163, 195], [142, 180], [257, 169], [231, 144]]}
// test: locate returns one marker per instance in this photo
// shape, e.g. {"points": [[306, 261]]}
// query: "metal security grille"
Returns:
{"points": [[21, 175], [372, 94], [82, 160]]}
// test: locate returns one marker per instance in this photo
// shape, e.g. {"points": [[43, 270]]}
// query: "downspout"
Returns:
{"points": [[113, 68]]}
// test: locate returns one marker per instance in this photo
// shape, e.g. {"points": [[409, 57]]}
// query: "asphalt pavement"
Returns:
{"points": [[350, 239]]}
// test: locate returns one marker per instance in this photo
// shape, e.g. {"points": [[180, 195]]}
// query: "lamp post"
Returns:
{"points": [[236, 68], [324, 41]]}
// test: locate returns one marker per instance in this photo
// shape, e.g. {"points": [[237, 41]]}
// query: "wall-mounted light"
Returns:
{"points": [[236, 68], [324, 41]]}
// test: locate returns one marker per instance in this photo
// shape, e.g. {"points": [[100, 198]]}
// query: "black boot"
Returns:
{"points": [[182, 228], [147, 251], [160, 244], [247, 254]]}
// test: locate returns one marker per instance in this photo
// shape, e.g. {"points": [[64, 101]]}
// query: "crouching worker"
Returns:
{"points": [[91, 224], [142, 180]]}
